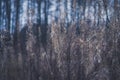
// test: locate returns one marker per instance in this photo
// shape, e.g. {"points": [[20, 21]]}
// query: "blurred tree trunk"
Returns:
{"points": [[8, 13], [16, 32], [39, 12], [44, 27], [105, 4]]}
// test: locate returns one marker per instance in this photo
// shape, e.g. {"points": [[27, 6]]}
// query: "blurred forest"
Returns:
{"points": [[59, 39]]}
